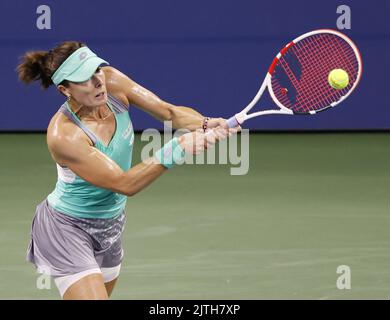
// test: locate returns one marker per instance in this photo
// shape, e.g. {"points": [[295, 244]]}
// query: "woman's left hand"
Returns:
{"points": [[222, 123]]}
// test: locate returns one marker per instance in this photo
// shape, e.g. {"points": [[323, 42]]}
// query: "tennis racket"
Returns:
{"points": [[297, 79]]}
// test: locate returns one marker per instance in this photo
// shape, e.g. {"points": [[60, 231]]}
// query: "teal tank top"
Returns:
{"points": [[78, 198]]}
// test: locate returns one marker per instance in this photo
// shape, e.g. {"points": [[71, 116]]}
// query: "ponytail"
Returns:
{"points": [[41, 65], [33, 68]]}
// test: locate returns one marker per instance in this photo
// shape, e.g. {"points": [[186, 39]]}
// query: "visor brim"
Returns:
{"points": [[86, 70]]}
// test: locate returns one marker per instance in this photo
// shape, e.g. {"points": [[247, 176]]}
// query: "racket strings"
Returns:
{"points": [[320, 90], [315, 92], [317, 56], [341, 59], [314, 88]]}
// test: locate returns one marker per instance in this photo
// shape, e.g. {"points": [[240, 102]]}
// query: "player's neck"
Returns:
{"points": [[99, 113]]}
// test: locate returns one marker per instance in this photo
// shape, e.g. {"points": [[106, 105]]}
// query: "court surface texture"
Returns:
{"points": [[309, 203]]}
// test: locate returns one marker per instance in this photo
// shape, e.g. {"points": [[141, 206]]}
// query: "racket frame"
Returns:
{"points": [[242, 116]]}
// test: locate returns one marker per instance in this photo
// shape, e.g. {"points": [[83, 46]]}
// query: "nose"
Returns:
{"points": [[97, 81]]}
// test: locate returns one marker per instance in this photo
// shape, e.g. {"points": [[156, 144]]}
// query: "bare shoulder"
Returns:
{"points": [[118, 84], [64, 138]]}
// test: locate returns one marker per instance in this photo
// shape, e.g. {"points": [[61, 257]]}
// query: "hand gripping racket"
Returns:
{"points": [[297, 79]]}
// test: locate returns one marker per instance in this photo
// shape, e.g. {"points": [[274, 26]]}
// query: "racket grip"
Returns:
{"points": [[232, 122]]}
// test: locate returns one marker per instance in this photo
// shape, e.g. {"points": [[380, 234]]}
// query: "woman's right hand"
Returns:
{"points": [[197, 141]]}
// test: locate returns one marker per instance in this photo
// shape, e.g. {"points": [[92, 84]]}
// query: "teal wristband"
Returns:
{"points": [[170, 154]]}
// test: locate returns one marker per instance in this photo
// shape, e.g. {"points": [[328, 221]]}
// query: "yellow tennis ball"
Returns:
{"points": [[338, 79]]}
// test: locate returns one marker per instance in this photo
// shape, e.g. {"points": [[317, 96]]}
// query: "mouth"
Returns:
{"points": [[100, 95]]}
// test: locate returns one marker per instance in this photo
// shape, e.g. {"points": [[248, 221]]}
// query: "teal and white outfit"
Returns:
{"points": [[78, 198], [77, 230]]}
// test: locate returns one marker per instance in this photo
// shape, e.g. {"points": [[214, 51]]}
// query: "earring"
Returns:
{"points": [[68, 99]]}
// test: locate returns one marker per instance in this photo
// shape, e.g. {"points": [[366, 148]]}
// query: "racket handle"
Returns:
{"points": [[232, 122]]}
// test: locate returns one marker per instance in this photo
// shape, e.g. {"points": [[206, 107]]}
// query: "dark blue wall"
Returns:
{"points": [[209, 54]]}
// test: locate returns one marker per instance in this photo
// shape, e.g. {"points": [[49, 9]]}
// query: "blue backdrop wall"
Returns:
{"points": [[209, 54]]}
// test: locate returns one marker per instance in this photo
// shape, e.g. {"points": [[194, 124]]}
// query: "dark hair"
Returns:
{"points": [[41, 65]]}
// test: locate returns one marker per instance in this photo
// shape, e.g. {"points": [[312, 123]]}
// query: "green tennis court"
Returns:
{"points": [[310, 203]]}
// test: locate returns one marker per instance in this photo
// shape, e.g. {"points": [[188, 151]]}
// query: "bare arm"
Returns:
{"points": [[69, 147], [181, 117], [96, 168]]}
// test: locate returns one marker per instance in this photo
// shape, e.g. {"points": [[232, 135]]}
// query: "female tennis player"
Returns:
{"points": [[76, 231]]}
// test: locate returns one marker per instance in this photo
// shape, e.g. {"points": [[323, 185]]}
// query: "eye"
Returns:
{"points": [[98, 70]]}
